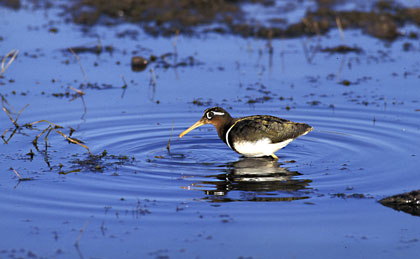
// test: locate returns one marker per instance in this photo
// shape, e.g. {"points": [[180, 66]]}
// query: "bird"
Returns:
{"points": [[251, 136]]}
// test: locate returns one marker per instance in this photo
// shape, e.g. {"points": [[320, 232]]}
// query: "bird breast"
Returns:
{"points": [[262, 147]]}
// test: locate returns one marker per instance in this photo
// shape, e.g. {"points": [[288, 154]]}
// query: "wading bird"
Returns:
{"points": [[251, 136]]}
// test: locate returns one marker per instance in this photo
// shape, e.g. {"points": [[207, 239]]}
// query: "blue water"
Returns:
{"points": [[200, 199]]}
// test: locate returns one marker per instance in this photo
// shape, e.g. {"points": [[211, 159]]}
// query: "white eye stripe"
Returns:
{"points": [[211, 114], [219, 113]]}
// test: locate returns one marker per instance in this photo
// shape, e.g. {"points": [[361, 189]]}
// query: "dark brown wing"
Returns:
{"points": [[254, 128]]}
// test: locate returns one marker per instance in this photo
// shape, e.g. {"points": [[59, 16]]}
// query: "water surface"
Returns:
{"points": [[136, 198]]}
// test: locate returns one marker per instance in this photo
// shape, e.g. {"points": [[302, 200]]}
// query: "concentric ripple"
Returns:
{"points": [[349, 151]]}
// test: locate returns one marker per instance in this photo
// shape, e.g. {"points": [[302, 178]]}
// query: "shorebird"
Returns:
{"points": [[251, 136]]}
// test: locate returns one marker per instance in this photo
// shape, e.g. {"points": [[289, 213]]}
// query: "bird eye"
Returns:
{"points": [[210, 115]]}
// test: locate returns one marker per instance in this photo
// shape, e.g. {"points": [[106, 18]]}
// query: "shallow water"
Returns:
{"points": [[199, 198]]}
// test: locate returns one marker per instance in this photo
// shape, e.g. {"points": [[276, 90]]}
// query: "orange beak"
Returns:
{"points": [[195, 125]]}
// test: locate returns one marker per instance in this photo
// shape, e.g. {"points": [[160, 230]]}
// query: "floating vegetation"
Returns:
{"points": [[170, 60], [353, 195], [259, 99], [52, 127], [201, 102], [97, 163], [167, 60], [342, 49], [96, 49]]}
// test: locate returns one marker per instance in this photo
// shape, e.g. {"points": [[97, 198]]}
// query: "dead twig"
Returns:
{"points": [[79, 92], [12, 54], [80, 64], [29, 125], [14, 121], [72, 140], [51, 127], [152, 84], [35, 141], [82, 230], [124, 87], [340, 28], [10, 117], [10, 137], [46, 138], [153, 80], [71, 171], [21, 110], [176, 41], [310, 52], [125, 82], [17, 174], [2, 136], [20, 177], [168, 146]]}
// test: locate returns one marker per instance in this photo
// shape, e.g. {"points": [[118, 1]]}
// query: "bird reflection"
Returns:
{"points": [[255, 179]]}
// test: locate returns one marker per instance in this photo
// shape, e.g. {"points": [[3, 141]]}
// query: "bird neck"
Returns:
{"points": [[224, 127]]}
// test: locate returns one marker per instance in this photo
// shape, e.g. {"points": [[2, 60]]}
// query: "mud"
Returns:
{"points": [[158, 17], [192, 17], [342, 49], [162, 17], [14, 4]]}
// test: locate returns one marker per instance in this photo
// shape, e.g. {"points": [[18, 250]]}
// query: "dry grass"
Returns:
{"points": [[340, 28], [124, 87], [80, 64], [12, 55], [20, 177], [153, 79], [46, 131], [168, 146], [82, 230], [310, 51], [175, 42]]}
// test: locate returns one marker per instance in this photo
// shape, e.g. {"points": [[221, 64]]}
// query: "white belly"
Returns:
{"points": [[259, 148]]}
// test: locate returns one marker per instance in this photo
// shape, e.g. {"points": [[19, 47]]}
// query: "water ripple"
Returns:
{"points": [[350, 151]]}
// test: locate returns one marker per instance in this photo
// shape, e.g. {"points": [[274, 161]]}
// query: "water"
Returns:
{"points": [[201, 199]]}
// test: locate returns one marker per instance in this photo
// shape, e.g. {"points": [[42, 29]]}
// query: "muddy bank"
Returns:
{"points": [[162, 17], [14, 4], [383, 19], [157, 17]]}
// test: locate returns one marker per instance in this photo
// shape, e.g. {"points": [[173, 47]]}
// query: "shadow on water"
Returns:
{"points": [[257, 179]]}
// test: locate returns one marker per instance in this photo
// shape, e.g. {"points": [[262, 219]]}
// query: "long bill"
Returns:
{"points": [[195, 125]]}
